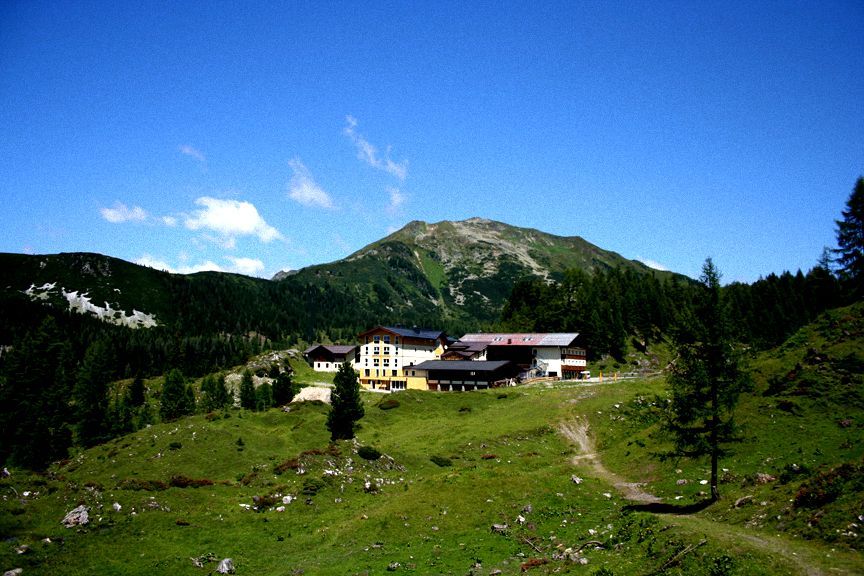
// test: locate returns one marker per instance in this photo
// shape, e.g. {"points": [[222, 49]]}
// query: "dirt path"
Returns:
{"points": [[577, 432]]}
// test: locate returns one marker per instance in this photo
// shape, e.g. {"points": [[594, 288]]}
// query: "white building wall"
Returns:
{"points": [[551, 357]]}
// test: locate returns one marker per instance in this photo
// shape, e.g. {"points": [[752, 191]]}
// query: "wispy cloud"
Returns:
{"points": [[246, 266], [230, 219], [652, 264], [303, 189], [169, 221], [397, 198], [368, 152], [188, 150], [122, 213]]}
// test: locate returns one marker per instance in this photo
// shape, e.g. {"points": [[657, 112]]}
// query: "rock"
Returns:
{"points": [[762, 478], [743, 500], [576, 479], [393, 566], [226, 566], [499, 528], [23, 549], [116, 506], [14, 572], [527, 509], [680, 482], [77, 517]]}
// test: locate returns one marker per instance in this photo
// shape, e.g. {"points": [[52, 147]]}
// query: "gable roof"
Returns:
{"points": [[336, 349], [523, 339], [421, 333]]}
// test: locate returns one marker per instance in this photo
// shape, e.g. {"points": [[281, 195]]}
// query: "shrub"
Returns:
{"points": [[180, 481], [175, 446], [368, 453], [826, 487], [464, 409], [292, 464], [145, 485], [442, 461], [388, 404], [311, 486]]}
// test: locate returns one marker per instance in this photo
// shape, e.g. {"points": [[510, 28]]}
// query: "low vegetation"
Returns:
{"points": [[515, 496]]}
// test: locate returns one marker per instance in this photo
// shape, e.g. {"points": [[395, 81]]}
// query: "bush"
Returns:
{"points": [[826, 487], [180, 481], [388, 404], [292, 464], [145, 485], [368, 453], [175, 446], [311, 486], [441, 461]]}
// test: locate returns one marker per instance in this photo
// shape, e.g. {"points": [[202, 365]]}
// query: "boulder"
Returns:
{"points": [[226, 566], [77, 517]]}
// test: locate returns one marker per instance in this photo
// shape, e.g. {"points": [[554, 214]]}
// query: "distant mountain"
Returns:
{"points": [[465, 270], [453, 275]]}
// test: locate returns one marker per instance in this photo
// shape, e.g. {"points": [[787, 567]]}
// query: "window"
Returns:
{"points": [[394, 372], [386, 362], [397, 385], [395, 361], [367, 372], [386, 339], [376, 362], [413, 373], [377, 350], [367, 362], [376, 339], [397, 340], [386, 350]]}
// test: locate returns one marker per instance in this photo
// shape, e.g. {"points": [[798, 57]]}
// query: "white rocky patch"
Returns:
{"points": [[82, 304]]}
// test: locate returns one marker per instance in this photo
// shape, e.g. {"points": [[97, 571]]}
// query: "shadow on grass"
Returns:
{"points": [[665, 508]]}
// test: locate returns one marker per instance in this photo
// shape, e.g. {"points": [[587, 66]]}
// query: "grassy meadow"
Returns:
{"points": [[269, 491]]}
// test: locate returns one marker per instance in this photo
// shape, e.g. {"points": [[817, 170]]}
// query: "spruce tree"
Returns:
{"points": [[90, 396], [175, 397], [223, 398], [136, 392], [850, 242], [705, 381], [247, 391], [283, 386], [346, 405]]}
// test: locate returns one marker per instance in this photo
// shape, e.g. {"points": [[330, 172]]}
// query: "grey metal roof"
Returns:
{"points": [[523, 339], [333, 348], [475, 365], [423, 333]]}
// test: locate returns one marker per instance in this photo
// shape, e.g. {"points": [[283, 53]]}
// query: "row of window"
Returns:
{"points": [[376, 362], [385, 338], [368, 372]]}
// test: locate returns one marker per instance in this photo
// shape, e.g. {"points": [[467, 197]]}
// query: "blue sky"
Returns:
{"points": [[256, 137]]}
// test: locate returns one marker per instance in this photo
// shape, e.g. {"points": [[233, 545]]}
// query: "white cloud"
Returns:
{"points": [[368, 153], [303, 189], [652, 264], [397, 198], [122, 213], [169, 220], [247, 266], [193, 152], [229, 219]]}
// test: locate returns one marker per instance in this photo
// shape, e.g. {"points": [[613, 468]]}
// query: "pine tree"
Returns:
{"points": [[283, 386], [90, 395], [346, 405], [136, 392], [223, 398], [850, 241], [705, 381], [247, 391], [175, 397], [264, 397]]}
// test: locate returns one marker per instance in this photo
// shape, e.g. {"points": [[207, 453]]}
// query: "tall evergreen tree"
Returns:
{"points": [[90, 395], [346, 405], [850, 241], [175, 397], [247, 391], [136, 391], [705, 381], [35, 386], [223, 398], [283, 386]]}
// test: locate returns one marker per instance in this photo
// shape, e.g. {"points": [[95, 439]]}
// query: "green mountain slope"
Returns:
{"points": [[454, 494], [463, 270]]}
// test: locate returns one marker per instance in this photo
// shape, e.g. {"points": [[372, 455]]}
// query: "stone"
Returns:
{"points": [[14, 572], [77, 517], [743, 500], [499, 528], [226, 566]]}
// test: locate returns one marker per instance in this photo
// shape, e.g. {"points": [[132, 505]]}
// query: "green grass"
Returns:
{"points": [[358, 516]]}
